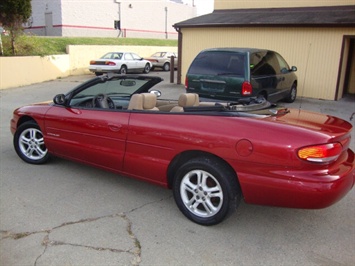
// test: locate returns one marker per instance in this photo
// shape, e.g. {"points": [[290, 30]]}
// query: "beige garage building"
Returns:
{"points": [[318, 38]]}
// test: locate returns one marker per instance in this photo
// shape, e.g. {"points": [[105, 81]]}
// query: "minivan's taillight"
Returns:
{"points": [[320, 153], [186, 82], [247, 89]]}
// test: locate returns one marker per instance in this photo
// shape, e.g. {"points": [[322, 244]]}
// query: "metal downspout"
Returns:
{"points": [[179, 55]]}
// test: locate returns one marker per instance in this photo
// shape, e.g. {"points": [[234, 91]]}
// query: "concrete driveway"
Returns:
{"points": [[64, 213]]}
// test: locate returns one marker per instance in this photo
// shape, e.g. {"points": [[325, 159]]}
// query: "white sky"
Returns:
{"points": [[203, 6]]}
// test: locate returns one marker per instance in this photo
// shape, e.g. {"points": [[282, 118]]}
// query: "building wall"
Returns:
{"points": [[38, 18], [315, 51], [92, 18], [236, 4]]}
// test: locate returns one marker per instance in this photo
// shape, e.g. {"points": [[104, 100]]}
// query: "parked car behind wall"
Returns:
{"points": [[162, 60]]}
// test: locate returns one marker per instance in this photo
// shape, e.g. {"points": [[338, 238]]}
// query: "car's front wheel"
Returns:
{"points": [[29, 143], [206, 190]]}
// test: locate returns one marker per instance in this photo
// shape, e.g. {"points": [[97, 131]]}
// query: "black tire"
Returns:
{"points": [[29, 143], [98, 73], [166, 67], [206, 190], [146, 69], [123, 70], [292, 94]]}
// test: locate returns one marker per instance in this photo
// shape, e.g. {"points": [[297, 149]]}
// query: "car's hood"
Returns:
{"points": [[35, 106], [50, 102]]}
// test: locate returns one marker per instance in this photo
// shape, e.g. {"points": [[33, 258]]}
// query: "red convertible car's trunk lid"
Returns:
{"points": [[315, 121], [335, 128]]}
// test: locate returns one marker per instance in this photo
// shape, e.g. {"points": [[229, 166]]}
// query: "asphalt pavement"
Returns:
{"points": [[65, 213]]}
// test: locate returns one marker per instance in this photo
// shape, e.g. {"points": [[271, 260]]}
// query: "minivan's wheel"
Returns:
{"points": [[166, 67], [292, 94], [146, 69], [29, 143], [206, 190], [123, 70]]}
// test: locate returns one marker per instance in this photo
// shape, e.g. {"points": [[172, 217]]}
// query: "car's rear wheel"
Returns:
{"points": [[98, 73], [29, 143], [292, 94], [166, 67], [123, 70], [146, 69], [206, 190]]}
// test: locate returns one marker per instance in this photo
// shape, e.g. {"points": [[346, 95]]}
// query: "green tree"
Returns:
{"points": [[13, 13]]}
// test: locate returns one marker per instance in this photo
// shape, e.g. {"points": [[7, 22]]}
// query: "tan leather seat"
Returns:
{"points": [[186, 100], [143, 101]]}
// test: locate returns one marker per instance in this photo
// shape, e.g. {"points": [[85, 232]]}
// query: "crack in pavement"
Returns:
{"points": [[136, 251], [47, 242]]}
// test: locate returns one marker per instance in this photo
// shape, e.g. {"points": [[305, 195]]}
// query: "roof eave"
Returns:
{"points": [[264, 25]]}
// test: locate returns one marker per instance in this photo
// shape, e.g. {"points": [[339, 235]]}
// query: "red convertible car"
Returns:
{"points": [[211, 154]]}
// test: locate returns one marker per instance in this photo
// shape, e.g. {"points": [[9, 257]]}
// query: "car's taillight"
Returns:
{"points": [[110, 63], [186, 82], [320, 153], [247, 89], [92, 62]]}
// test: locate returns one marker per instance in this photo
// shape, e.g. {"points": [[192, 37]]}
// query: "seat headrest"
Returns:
{"points": [[136, 102], [188, 100], [149, 100]]}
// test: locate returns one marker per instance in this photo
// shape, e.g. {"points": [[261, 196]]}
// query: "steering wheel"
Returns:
{"points": [[102, 101]]}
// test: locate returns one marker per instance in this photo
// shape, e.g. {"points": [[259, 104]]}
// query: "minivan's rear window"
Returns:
{"points": [[219, 63]]}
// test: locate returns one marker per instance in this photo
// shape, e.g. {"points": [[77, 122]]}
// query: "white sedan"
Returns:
{"points": [[120, 62]]}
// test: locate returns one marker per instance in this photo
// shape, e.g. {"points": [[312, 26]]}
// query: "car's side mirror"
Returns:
{"points": [[293, 68], [59, 99], [156, 92]]}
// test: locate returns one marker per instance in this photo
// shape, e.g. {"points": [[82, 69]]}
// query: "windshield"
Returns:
{"points": [[115, 87]]}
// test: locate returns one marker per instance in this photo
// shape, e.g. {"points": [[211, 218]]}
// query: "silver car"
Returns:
{"points": [[120, 62], [162, 60]]}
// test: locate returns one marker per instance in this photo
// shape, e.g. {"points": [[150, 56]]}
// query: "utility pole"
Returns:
{"points": [[118, 26], [166, 22]]}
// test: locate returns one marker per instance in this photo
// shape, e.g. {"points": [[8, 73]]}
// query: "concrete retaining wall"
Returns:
{"points": [[25, 70]]}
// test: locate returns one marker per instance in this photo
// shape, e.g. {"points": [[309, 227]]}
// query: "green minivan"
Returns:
{"points": [[230, 74]]}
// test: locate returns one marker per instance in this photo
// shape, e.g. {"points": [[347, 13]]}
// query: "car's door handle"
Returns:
{"points": [[114, 127], [75, 111], [281, 79]]}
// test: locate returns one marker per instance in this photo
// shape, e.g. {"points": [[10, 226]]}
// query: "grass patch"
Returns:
{"points": [[35, 45]]}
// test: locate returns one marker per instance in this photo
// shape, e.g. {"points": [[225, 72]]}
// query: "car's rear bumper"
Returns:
{"points": [[103, 69], [299, 188]]}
